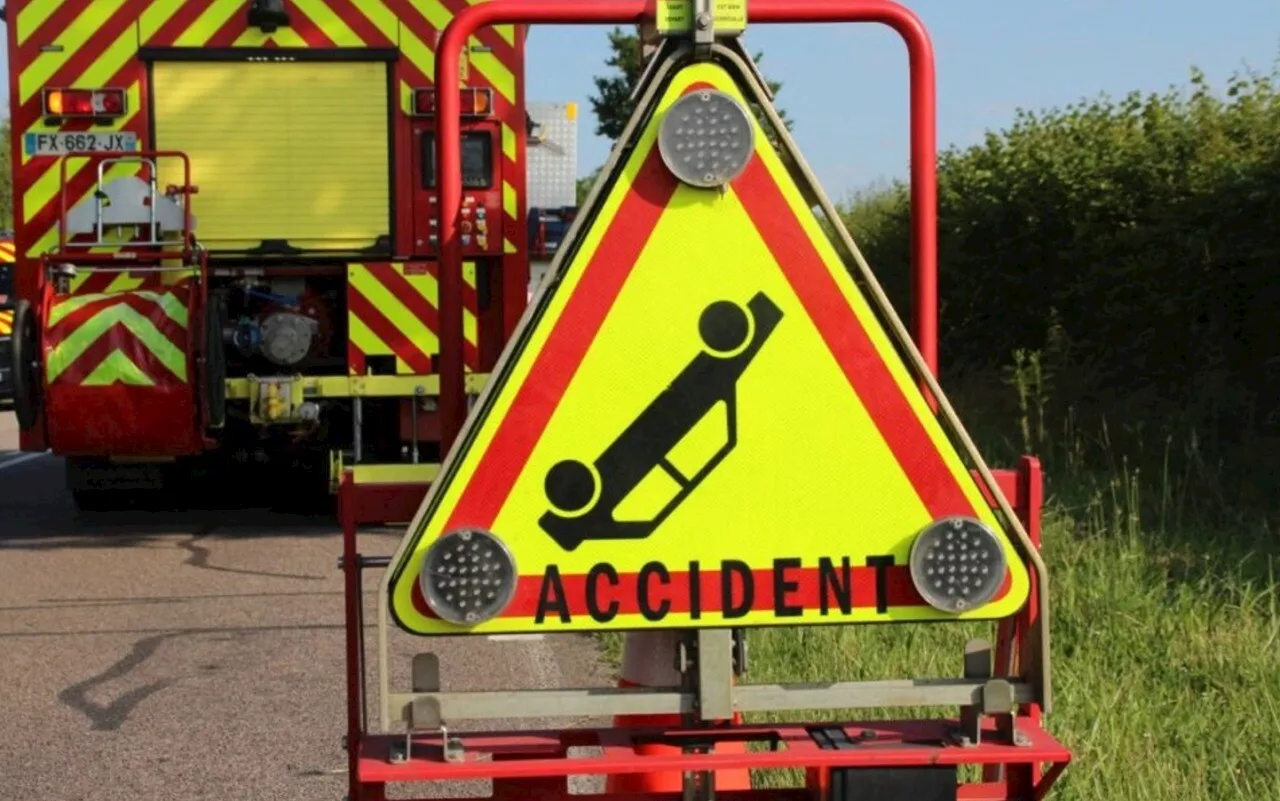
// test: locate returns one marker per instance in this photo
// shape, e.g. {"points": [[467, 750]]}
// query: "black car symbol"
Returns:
{"points": [[583, 497]]}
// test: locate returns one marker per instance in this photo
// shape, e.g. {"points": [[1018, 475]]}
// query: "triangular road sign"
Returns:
{"points": [[701, 422]]}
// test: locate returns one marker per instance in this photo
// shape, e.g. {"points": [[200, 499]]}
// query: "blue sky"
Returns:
{"points": [[846, 85]]}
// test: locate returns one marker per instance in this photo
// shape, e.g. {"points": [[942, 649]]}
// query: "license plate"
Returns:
{"points": [[61, 143]]}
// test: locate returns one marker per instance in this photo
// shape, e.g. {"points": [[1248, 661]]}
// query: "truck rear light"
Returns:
{"points": [[475, 102], [84, 102]]}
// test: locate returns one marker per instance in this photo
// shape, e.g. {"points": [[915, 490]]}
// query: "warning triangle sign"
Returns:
{"points": [[701, 422]]}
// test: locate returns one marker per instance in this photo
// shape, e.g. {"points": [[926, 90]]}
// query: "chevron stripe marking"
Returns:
{"points": [[118, 369], [167, 302], [85, 314], [98, 18], [377, 12], [207, 24], [116, 338], [32, 16], [395, 339], [65, 353]]}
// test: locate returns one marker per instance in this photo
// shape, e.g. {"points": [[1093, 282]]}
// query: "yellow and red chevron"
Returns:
{"points": [[392, 310], [135, 337], [7, 251], [95, 43], [6, 322]]}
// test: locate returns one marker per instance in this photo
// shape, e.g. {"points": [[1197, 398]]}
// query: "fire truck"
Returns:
{"points": [[227, 244]]}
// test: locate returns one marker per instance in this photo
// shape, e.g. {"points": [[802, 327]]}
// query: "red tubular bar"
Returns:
{"points": [[924, 181]]}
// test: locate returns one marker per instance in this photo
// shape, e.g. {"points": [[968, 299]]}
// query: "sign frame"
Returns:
{"points": [[653, 83]]}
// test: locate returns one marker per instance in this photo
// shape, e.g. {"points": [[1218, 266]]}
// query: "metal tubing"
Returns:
{"points": [[601, 701], [449, 166], [121, 155], [924, 182]]}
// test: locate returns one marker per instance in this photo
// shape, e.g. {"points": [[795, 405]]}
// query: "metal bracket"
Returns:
{"points": [[425, 713], [651, 66], [996, 698], [715, 674], [704, 27], [739, 46], [977, 665]]}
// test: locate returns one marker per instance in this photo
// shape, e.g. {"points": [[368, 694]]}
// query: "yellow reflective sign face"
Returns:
{"points": [[702, 424]]}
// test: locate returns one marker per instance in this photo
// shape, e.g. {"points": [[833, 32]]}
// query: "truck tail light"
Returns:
{"points": [[475, 102], [84, 102]]}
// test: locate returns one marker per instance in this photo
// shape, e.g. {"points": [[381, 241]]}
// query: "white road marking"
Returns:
{"points": [[516, 637], [17, 460]]}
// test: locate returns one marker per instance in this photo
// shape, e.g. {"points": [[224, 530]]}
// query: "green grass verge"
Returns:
{"points": [[1166, 649], [1165, 630]]}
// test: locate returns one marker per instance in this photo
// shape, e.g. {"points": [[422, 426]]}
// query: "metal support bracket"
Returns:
{"points": [[704, 27], [996, 698], [425, 713], [715, 674]]}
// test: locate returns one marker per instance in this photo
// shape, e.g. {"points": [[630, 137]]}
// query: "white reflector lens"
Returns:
{"points": [[957, 564], [468, 576], [707, 138]]}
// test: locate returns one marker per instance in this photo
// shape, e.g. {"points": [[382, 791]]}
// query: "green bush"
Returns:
{"points": [[1133, 245]]}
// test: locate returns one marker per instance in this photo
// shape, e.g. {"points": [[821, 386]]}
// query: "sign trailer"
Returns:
{"points": [[709, 420]]}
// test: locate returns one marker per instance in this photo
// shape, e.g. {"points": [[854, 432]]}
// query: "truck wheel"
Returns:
{"points": [[26, 365]]}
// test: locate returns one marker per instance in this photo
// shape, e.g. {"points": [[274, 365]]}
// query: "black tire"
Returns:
{"points": [[25, 344]]}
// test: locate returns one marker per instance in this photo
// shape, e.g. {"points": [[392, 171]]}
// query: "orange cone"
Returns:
{"points": [[649, 660]]}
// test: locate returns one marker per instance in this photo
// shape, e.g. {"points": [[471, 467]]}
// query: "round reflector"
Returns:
{"points": [[468, 576], [707, 138], [957, 564]]}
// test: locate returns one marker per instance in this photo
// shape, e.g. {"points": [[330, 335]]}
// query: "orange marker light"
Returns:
{"points": [[84, 102]]}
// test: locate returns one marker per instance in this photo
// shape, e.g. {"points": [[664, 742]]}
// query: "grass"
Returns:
{"points": [[1166, 631], [1166, 666]]}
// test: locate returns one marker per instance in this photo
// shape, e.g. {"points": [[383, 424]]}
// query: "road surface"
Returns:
{"points": [[194, 655]]}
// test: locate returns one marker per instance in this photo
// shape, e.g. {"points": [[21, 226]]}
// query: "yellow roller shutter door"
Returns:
{"points": [[293, 151]]}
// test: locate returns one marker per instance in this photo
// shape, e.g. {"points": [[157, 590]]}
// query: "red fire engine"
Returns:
{"points": [[227, 242]]}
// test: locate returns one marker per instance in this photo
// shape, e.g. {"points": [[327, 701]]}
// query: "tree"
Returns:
{"points": [[612, 106]]}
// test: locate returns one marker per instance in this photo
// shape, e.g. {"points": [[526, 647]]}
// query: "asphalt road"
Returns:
{"points": [[195, 655]]}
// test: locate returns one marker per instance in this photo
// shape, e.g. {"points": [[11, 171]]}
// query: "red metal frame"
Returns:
{"points": [[536, 764], [924, 179]]}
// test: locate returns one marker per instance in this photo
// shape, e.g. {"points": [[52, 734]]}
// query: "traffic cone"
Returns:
{"points": [[649, 660]]}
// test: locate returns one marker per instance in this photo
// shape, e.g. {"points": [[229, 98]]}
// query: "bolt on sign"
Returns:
{"points": [[677, 16], [702, 421]]}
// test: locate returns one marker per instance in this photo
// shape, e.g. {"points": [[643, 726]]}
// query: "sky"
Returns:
{"points": [[845, 86]]}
